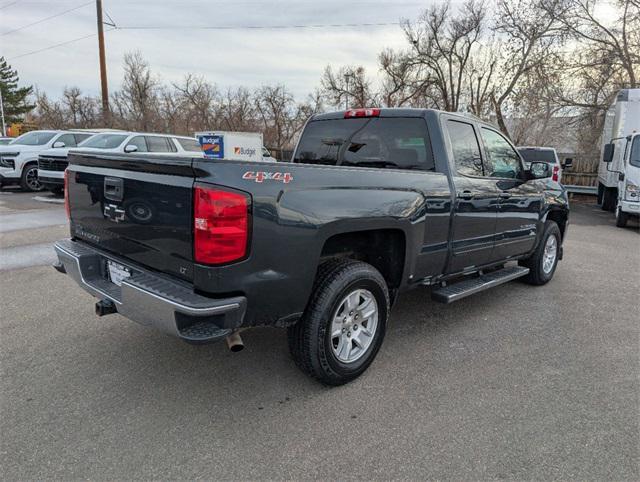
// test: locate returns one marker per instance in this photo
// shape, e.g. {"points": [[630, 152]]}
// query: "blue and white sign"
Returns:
{"points": [[212, 146]]}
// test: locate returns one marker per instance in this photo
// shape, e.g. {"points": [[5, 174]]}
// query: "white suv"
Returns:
{"points": [[19, 158], [52, 163]]}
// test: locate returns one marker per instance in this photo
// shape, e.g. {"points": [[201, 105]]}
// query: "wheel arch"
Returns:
{"points": [[384, 249]]}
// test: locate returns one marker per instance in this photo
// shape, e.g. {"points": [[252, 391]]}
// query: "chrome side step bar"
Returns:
{"points": [[470, 286]]}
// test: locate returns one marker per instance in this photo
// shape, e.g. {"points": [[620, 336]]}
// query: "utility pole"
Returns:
{"points": [[103, 64]]}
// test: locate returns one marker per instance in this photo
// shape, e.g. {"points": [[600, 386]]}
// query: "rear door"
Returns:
{"points": [[476, 202], [520, 202], [135, 206]]}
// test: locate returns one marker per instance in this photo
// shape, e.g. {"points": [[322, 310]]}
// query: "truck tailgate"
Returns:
{"points": [[139, 208]]}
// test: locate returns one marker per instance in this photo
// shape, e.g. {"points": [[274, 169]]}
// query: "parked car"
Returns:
{"points": [[549, 156], [53, 162], [375, 202], [19, 158]]}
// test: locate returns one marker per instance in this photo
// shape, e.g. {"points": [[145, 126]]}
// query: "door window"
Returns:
{"points": [[190, 145], [68, 139], [503, 161], [139, 142], [81, 137], [466, 149], [634, 158], [160, 144]]}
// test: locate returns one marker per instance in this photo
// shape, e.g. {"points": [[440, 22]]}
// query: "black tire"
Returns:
{"points": [[609, 199], [27, 181], [537, 274], [621, 218], [600, 197], [310, 341]]}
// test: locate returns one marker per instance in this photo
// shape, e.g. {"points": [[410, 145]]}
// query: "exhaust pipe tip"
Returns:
{"points": [[105, 307], [234, 342]]}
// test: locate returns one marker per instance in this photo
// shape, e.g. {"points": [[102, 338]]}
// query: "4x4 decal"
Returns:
{"points": [[261, 176]]}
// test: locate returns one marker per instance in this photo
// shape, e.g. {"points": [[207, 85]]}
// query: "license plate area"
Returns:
{"points": [[117, 272]]}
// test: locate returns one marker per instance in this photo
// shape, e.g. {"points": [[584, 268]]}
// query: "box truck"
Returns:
{"points": [[618, 173], [232, 146]]}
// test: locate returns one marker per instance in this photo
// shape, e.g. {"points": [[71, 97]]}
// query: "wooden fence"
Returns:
{"points": [[584, 171]]}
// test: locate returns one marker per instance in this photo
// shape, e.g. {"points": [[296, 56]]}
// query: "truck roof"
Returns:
{"points": [[401, 112]]}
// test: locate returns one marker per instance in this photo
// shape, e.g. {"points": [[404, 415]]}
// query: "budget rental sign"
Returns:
{"points": [[212, 146]]}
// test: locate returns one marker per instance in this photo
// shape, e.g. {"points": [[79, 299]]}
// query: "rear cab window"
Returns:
{"points": [[530, 154], [380, 142]]}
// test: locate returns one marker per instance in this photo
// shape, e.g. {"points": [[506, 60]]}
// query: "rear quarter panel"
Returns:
{"points": [[291, 221]]}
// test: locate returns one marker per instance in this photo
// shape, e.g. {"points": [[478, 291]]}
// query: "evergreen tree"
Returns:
{"points": [[14, 98]]}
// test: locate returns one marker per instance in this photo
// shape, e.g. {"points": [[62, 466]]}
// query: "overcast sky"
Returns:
{"points": [[250, 57]]}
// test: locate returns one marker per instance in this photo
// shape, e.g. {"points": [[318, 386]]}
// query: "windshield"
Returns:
{"points": [[105, 141], [538, 155], [634, 158], [34, 138]]}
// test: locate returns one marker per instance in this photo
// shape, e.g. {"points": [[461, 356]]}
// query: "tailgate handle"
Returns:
{"points": [[113, 188]]}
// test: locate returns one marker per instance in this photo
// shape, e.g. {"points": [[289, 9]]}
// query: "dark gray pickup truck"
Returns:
{"points": [[374, 202]]}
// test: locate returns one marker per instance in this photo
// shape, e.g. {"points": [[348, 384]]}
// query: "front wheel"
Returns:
{"points": [[542, 264], [621, 218], [344, 324], [29, 180]]}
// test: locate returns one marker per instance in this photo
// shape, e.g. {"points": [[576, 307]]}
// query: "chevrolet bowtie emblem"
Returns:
{"points": [[113, 213]]}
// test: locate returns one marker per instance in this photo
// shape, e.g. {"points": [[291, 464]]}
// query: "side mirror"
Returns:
{"points": [[568, 162], [129, 148], [607, 154], [539, 170], [58, 144]]}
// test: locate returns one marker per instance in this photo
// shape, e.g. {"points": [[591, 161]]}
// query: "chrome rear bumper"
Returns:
{"points": [[150, 299]]}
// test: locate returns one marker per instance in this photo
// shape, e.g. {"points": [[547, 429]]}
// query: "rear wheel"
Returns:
{"points": [[542, 264], [29, 180], [344, 324], [621, 218]]}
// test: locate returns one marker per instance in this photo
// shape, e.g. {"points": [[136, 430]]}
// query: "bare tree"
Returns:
{"points": [[136, 102], [348, 86]]}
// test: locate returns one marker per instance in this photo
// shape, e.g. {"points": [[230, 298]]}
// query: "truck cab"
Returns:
{"points": [[628, 186]]}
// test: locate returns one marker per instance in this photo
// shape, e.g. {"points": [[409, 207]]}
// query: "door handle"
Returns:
{"points": [[466, 195], [505, 195]]}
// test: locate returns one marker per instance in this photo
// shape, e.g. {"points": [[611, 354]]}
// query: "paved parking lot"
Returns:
{"points": [[516, 383]]}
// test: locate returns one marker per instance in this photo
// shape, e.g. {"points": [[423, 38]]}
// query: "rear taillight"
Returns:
{"points": [[556, 173], [66, 193], [361, 113], [220, 225]]}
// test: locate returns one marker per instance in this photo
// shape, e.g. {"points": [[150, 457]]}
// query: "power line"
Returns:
{"points": [[253, 27], [45, 19], [56, 45], [205, 27], [8, 4]]}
